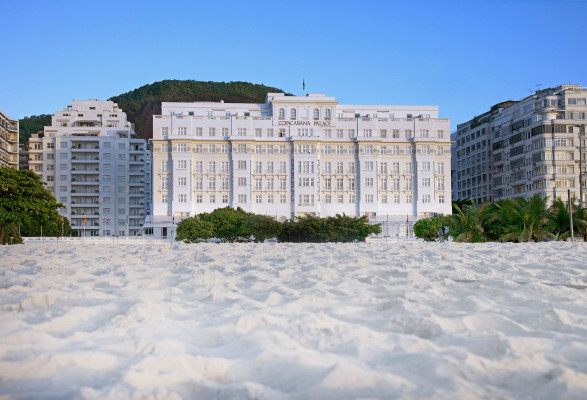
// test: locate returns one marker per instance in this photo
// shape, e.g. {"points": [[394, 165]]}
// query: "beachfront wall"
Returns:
{"points": [[301, 155]]}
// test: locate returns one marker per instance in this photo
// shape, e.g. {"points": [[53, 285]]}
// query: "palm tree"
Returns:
{"points": [[467, 224], [530, 220], [560, 216]]}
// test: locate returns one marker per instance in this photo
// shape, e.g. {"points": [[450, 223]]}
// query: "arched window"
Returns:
{"points": [[316, 113], [327, 114], [292, 113], [281, 113]]}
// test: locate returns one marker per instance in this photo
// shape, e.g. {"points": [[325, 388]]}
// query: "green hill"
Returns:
{"points": [[141, 104]]}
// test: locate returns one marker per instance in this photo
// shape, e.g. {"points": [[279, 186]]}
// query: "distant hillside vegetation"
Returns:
{"points": [[141, 104], [30, 125]]}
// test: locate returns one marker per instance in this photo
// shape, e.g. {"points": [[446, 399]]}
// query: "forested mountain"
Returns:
{"points": [[141, 104]]}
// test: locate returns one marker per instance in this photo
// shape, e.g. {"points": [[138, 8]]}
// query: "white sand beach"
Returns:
{"points": [[293, 321]]}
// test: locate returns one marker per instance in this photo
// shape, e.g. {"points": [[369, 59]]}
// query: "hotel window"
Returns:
{"points": [[282, 184], [306, 167], [181, 198], [368, 149], [258, 132], [340, 198], [369, 182], [282, 132], [63, 188], [440, 183], [212, 167], [198, 167], [384, 198], [50, 178], [270, 199], [224, 166], [383, 167], [351, 133], [440, 150], [384, 184], [258, 167], [242, 131], [440, 134], [367, 132], [409, 185], [395, 134], [164, 148], [63, 145], [394, 149], [316, 113], [339, 184], [351, 183], [396, 198], [426, 199], [395, 184], [270, 167], [258, 149], [225, 183], [182, 148], [383, 133], [212, 198], [281, 113], [351, 167], [408, 133], [61, 166], [164, 198], [270, 132], [425, 149], [198, 198], [408, 168], [327, 133], [368, 198], [424, 133], [352, 198], [198, 131], [241, 148], [282, 149], [242, 198], [328, 199], [270, 149], [224, 148], [327, 184], [441, 199], [328, 167], [211, 131], [327, 113], [224, 131], [425, 165], [339, 133], [369, 165], [292, 113], [242, 181], [225, 198], [183, 131], [425, 182], [181, 164], [440, 168], [211, 148], [258, 184], [282, 199], [409, 198], [339, 167], [282, 167], [199, 183], [270, 184], [339, 149], [163, 181]]}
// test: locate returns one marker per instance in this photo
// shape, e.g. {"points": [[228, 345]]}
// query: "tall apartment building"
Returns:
{"points": [[23, 156], [520, 148], [8, 141], [301, 155], [95, 165]]}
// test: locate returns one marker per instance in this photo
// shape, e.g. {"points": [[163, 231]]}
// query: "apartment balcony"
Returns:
{"points": [[88, 204], [11, 128], [85, 159], [136, 172], [136, 183], [76, 181], [135, 161], [87, 171], [78, 149], [87, 192]]}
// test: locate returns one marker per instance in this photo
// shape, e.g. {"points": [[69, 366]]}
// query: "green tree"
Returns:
{"points": [[26, 203], [467, 224], [530, 220], [427, 228], [559, 215], [194, 229], [228, 224], [261, 227]]}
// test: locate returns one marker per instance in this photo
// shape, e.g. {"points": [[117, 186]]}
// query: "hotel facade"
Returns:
{"points": [[8, 141], [301, 155], [521, 148], [95, 165]]}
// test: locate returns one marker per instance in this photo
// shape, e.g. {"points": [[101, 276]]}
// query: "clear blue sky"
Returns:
{"points": [[463, 56]]}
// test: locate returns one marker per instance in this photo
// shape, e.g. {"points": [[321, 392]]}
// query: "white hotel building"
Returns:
{"points": [[294, 156], [95, 165]]}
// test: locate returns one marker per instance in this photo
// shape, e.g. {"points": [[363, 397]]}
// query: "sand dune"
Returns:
{"points": [[293, 321]]}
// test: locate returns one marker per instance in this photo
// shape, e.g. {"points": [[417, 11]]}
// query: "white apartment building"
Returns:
{"points": [[8, 141], [95, 165], [300, 155], [518, 149]]}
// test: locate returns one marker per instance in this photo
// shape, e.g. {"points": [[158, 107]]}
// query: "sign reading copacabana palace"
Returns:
{"points": [[301, 155]]}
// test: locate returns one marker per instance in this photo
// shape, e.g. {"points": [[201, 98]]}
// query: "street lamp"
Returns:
{"points": [[581, 139]]}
